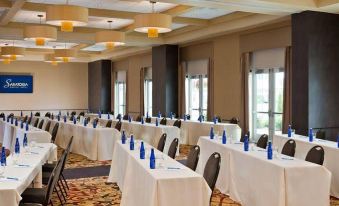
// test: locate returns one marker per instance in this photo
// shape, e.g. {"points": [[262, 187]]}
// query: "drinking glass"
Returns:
{"points": [[2, 171], [276, 152]]}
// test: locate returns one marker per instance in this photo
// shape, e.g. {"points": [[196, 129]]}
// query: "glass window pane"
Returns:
{"points": [[279, 92], [278, 122], [195, 93], [205, 93], [262, 124], [262, 98]]}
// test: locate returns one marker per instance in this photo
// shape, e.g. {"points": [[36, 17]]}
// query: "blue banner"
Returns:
{"points": [[16, 84]]}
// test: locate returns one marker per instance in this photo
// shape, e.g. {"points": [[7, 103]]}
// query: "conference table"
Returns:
{"points": [[10, 132], [170, 183], [17, 177], [150, 132], [191, 130], [94, 143], [303, 146], [251, 179]]}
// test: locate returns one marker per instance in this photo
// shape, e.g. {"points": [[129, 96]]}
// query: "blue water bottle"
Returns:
{"points": [[215, 121], [142, 151], [3, 157], [246, 143], [212, 133], [338, 141], [310, 135], [7, 118], [123, 137], [129, 119], [16, 122], [17, 146], [85, 122], [27, 126], [171, 115], [108, 116], [21, 114], [12, 120], [156, 122], [200, 118], [152, 159], [185, 117], [59, 118], [269, 151], [99, 114], [65, 118], [94, 124], [22, 124], [25, 141], [131, 143], [224, 138], [142, 120], [147, 115], [74, 120], [31, 114], [159, 114], [289, 131]]}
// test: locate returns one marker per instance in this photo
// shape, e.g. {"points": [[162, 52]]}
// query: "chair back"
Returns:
{"points": [[211, 170], [172, 151], [234, 120], [48, 114], [320, 134], [48, 126], [118, 126], [2, 114], [41, 124], [29, 121], [109, 124], [73, 113], [25, 119], [316, 155], [88, 119], [163, 121], [37, 114], [11, 115], [177, 123], [242, 139], [96, 121], [218, 118], [55, 132], [193, 158], [162, 141], [138, 119], [148, 119], [82, 114], [289, 148], [36, 123], [125, 117], [119, 116], [262, 142]]}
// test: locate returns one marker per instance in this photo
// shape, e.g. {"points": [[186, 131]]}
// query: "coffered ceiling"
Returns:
{"points": [[192, 20]]}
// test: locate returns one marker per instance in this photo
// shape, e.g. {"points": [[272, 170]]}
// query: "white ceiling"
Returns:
{"points": [[133, 6], [205, 13], [31, 44]]}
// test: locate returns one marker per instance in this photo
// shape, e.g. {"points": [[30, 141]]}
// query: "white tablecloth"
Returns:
{"points": [[10, 190], [253, 180], [159, 187], [192, 130], [94, 143], [11, 132], [151, 133], [331, 160]]}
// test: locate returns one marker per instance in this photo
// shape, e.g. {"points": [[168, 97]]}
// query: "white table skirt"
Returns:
{"points": [[10, 190], [251, 179], [145, 187], [94, 143], [192, 130], [303, 146], [151, 133]]}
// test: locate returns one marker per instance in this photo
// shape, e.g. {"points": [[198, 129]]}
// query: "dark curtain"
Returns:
{"points": [[287, 105], [210, 100], [182, 92], [245, 68], [142, 81]]}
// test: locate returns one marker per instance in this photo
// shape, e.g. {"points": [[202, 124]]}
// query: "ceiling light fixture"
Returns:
{"points": [[110, 38], [50, 58], [67, 16], [12, 52], [153, 23], [65, 54], [40, 33]]}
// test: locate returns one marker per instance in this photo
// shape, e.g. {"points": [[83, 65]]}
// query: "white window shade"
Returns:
{"points": [[198, 67], [121, 76], [269, 58]]}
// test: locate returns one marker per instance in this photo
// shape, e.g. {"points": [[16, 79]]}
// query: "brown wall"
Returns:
{"points": [[225, 52]]}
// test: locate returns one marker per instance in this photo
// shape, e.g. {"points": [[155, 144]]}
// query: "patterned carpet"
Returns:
{"points": [[95, 190]]}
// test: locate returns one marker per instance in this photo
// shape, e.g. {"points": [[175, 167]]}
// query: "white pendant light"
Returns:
{"points": [[67, 16], [153, 23], [110, 39], [12, 52], [65, 54], [40, 33], [50, 58]]}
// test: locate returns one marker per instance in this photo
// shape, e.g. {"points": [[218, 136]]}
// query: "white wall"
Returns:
{"points": [[54, 87]]}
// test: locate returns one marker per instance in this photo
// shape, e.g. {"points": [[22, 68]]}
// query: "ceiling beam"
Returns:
{"points": [[10, 13]]}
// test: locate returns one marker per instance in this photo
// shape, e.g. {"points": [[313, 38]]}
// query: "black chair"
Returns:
{"points": [[73, 113], [11, 115], [218, 118], [320, 134], [48, 126], [192, 158], [125, 117], [24, 119], [2, 115], [119, 116], [242, 139], [234, 120], [262, 142], [316, 155], [72, 117], [138, 119], [82, 114], [118, 126], [289, 148], [55, 132], [188, 117], [48, 114], [172, 151], [148, 120], [29, 120], [163, 121], [177, 123], [211, 170], [162, 141], [88, 119], [109, 124], [41, 124], [36, 123], [96, 121], [37, 114]]}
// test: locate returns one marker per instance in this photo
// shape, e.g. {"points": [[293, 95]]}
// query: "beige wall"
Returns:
{"points": [[62, 87], [225, 52]]}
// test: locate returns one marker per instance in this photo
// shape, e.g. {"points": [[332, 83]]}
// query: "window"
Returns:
{"points": [[120, 93], [148, 96], [196, 88], [266, 101]]}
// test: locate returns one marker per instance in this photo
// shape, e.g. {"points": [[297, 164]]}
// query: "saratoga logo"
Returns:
{"points": [[10, 84]]}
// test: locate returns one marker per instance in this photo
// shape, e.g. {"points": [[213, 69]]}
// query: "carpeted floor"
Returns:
{"points": [[87, 181]]}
